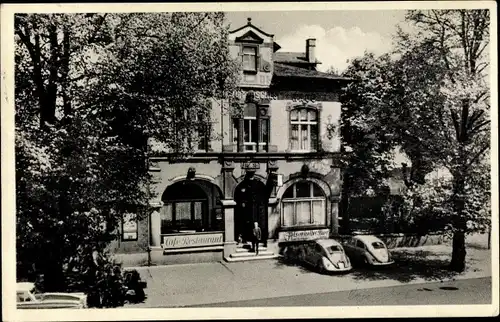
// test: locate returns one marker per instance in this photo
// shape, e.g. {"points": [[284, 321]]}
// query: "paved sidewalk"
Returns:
{"points": [[204, 283]]}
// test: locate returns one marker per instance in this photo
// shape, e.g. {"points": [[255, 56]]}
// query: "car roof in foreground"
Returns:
{"points": [[25, 286], [327, 242], [368, 238]]}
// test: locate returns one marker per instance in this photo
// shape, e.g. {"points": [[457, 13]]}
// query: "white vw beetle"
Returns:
{"points": [[368, 250], [28, 298], [326, 255]]}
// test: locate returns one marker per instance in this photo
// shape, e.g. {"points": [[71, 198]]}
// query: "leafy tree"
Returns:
{"points": [[91, 90], [366, 143], [444, 68], [430, 97]]}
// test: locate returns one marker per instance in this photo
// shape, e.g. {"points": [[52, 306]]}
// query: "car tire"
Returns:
{"points": [[320, 267]]}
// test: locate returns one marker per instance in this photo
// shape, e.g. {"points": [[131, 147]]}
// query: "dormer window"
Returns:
{"points": [[250, 57]]}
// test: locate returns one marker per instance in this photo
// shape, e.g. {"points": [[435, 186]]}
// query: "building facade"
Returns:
{"points": [[275, 162]]}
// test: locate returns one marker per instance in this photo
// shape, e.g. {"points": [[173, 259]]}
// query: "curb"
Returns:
{"points": [[369, 285], [168, 265]]}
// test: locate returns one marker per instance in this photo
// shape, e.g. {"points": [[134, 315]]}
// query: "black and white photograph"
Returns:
{"points": [[249, 160]]}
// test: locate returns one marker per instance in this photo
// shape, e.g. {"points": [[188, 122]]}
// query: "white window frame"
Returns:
{"points": [[254, 55], [263, 146], [295, 200], [299, 124], [249, 143]]}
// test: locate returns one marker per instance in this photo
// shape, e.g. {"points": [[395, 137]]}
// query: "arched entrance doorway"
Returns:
{"points": [[251, 206]]}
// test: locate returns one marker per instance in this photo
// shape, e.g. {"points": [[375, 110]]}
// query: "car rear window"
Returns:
{"points": [[334, 249], [378, 245]]}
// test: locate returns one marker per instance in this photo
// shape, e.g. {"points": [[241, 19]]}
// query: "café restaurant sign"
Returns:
{"points": [[192, 240], [300, 235]]}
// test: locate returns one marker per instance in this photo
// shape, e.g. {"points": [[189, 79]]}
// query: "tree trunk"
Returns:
{"points": [[64, 74], [457, 263]]}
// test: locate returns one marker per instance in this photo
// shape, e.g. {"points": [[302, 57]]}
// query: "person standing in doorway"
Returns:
{"points": [[257, 234]]}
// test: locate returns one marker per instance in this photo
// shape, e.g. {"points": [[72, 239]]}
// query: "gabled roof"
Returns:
{"points": [[249, 23], [250, 36], [282, 70], [292, 58]]}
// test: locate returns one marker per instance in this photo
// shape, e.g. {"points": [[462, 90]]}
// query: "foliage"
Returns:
{"points": [[91, 90], [136, 285], [450, 47], [365, 138], [366, 143], [430, 97]]}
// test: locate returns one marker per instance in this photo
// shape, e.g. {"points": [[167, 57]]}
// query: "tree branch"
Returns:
{"points": [[483, 65], [479, 128], [201, 20], [475, 157]]}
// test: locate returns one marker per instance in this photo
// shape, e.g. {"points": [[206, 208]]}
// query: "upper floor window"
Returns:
{"points": [[250, 56], [202, 132], [251, 132], [304, 130]]}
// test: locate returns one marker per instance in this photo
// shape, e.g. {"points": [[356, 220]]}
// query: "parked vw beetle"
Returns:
{"points": [[29, 298], [325, 255], [368, 250]]}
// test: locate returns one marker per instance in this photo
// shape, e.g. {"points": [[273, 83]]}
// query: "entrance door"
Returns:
{"points": [[251, 206]]}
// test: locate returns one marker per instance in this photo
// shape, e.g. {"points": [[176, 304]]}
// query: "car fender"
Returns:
{"points": [[368, 257]]}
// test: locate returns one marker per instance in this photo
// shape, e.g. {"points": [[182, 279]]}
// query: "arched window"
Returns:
{"points": [[303, 204], [304, 129], [185, 208]]}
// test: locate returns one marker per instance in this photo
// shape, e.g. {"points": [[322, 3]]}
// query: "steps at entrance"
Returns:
{"points": [[243, 253], [243, 248], [251, 254]]}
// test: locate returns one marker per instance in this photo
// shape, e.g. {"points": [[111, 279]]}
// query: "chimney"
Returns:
{"points": [[310, 50]]}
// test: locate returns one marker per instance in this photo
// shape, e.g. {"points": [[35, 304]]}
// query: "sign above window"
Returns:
{"points": [[287, 236], [192, 240]]}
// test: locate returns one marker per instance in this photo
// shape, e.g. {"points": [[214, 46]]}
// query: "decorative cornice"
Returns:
{"points": [[303, 104], [242, 156], [249, 24]]}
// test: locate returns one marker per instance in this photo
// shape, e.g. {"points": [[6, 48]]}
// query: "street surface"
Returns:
{"points": [[253, 283], [471, 291]]}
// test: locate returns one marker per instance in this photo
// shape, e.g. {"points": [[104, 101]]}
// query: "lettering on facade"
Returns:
{"points": [[250, 165], [257, 95], [304, 235], [192, 240]]}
